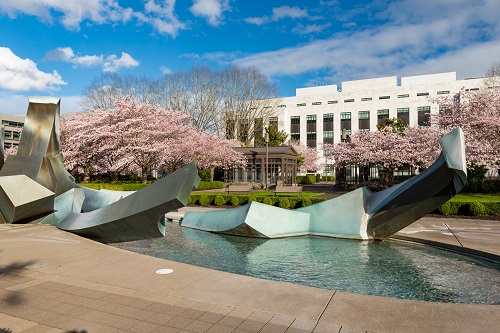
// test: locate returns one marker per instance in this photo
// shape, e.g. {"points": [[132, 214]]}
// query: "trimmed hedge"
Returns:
{"points": [[115, 186], [469, 208], [240, 200], [210, 185]]}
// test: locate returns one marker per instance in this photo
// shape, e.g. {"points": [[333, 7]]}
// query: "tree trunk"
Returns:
{"points": [[389, 175], [144, 176], [86, 175], [212, 173]]}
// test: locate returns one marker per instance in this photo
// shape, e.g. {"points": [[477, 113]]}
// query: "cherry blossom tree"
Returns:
{"points": [[308, 157], [140, 138]]}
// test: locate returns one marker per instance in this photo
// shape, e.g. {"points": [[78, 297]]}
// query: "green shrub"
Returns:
{"points": [[311, 178], [191, 200], [284, 203], [306, 202], [204, 200], [251, 198], [210, 185], [219, 200], [268, 201], [445, 209], [328, 178], [234, 200], [204, 175], [476, 209], [491, 186], [318, 178], [492, 208]]}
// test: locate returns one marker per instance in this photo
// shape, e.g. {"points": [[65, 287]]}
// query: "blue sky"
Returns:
{"points": [[55, 47]]}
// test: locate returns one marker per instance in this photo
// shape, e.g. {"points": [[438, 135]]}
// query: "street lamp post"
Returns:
{"points": [[267, 157]]}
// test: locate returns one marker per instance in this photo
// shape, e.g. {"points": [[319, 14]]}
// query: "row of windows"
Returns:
{"points": [[12, 123], [363, 119], [363, 99]]}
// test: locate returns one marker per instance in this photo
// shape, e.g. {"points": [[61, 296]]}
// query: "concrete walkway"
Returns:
{"points": [[53, 281]]}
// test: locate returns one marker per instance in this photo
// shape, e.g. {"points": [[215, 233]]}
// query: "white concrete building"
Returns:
{"points": [[317, 115], [13, 125]]}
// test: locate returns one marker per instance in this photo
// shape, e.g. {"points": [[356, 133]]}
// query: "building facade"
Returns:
{"points": [[12, 125], [318, 115]]}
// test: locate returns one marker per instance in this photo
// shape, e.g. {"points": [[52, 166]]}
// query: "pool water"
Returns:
{"points": [[389, 268]]}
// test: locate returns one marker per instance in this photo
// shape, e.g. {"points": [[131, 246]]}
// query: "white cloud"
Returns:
{"points": [[113, 63], [17, 74], [212, 10], [18, 104], [110, 63], [165, 70], [74, 11], [161, 17], [66, 54], [280, 13], [310, 28], [418, 36]]}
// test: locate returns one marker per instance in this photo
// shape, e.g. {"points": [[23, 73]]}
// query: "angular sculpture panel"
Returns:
{"points": [[359, 214], [35, 187]]}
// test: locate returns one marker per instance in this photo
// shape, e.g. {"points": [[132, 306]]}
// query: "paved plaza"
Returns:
{"points": [[54, 281]]}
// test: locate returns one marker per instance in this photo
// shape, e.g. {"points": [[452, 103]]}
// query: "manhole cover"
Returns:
{"points": [[164, 271]]}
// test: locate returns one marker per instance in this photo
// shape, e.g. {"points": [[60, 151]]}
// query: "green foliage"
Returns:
{"points": [[394, 125], [268, 201], [219, 200], [191, 200], [306, 202], [475, 178], [318, 178], [234, 200], [307, 179], [210, 185], [115, 186], [276, 138], [284, 203], [328, 178], [204, 174], [204, 200], [477, 209], [251, 198], [491, 186]]}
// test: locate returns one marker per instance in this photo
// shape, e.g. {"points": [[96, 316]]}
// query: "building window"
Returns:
{"points": [[443, 92], [345, 122], [273, 122], [404, 96], [366, 99], [12, 123], [316, 103], [364, 120], [472, 89], [258, 127], [423, 94], [404, 115], [328, 128], [350, 100], [384, 97], [282, 106], [301, 104], [424, 115], [311, 130], [333, 102], [381, 116], [295, 127]]}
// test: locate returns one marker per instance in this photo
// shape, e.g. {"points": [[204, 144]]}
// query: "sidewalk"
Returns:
{"points": [[53, 281]]}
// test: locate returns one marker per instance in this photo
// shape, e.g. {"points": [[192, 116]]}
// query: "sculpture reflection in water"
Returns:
{"points": [[359, 214], [35, 187]]}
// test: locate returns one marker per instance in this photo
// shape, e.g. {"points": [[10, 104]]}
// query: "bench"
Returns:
{"points": [[288, 189], [239, 188]]}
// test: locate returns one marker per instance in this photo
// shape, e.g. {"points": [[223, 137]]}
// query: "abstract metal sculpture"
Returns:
{"points": [[35, 187], [359, 214]]}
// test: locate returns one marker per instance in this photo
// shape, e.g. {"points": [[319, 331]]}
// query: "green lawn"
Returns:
{"points": [[473, 197]]}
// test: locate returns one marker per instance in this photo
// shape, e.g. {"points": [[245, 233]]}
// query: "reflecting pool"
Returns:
{"points": [[390, 268]]}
